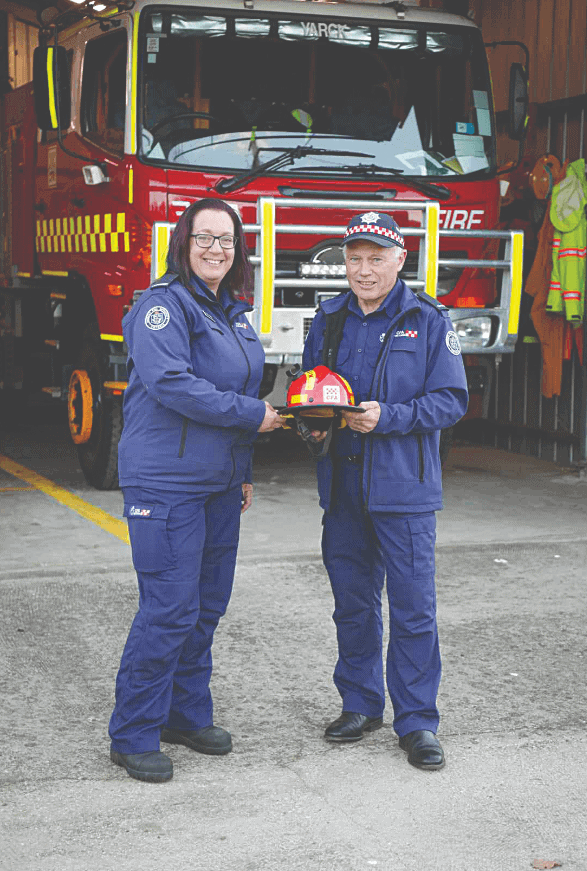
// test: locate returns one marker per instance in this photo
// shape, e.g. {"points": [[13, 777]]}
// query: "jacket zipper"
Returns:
{"points": [[420, 457], [244, 386], [184, 432], [377, 393]]}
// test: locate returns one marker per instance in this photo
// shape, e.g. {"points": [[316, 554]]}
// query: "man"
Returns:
{"points": [[380, 485]]}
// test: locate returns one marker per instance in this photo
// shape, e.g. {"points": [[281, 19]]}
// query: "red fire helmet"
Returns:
{"points": [[320, 395]]}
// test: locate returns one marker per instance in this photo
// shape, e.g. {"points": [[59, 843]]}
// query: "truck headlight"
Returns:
{"points": [[335, 270], [473, 332]]}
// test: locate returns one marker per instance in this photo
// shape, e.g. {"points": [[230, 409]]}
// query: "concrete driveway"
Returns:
{"points": [[512, 557]]}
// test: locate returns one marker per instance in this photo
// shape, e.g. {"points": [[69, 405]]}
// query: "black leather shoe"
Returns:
{"points": [[153, 766], [350, 727], [423, 749], [211, 739]]}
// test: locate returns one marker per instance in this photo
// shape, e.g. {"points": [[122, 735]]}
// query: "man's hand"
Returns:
{"points": [[364, 422], [247, 497], [272, 420]]}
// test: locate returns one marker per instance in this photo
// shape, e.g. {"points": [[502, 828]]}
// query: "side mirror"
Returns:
{"points": [[51, 87], [518, 103]]}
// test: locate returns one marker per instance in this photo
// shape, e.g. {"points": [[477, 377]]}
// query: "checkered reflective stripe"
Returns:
{"points": [[412, 334], [375, 230], [84, 233]]}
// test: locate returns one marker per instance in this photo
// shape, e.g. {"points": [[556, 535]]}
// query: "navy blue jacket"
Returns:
{"points": [[420, 384], [191, 411]]}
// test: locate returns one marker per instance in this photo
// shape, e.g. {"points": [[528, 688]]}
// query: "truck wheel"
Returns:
{"points": [[446, 436], [100, 421]]}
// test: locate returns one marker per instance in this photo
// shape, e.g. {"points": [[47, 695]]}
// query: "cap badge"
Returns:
{"points": [[370, 217]]}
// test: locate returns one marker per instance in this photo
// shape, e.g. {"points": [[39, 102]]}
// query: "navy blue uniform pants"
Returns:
{"points": [[359, 551], [184, 551]]}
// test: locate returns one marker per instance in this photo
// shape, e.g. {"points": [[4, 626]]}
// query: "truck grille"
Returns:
{"points": [[307, 325], [288, 263]]}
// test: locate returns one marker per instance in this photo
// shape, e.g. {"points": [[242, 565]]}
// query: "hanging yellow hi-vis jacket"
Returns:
{"points": [[569, 245]]}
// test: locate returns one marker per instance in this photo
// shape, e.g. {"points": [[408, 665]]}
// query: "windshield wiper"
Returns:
{"points": [[287, 157], [437, 191]]}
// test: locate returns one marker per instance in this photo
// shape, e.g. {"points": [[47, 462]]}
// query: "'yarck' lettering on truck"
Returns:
{"points": [[332, 31]]}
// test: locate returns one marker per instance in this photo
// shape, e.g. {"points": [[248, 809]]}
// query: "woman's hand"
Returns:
{"points": [[271, 420], [247, 497]]}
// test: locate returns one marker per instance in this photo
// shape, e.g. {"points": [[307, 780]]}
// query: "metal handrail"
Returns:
{"points": [[265, 228]]}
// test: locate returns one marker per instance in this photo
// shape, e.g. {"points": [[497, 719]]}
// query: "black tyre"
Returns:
{"points": [[98, 457], [446, 436]]}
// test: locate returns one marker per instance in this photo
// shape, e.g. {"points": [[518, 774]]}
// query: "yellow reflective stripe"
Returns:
{"points": [[51, 88], [432, 227], [133, 88], [53, 272], [516, 278], [70, 500], [108, 337], [162, 236], [131, 185], [267, 264], [105, 233]]}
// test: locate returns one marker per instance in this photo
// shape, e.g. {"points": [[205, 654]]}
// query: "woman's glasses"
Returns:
{"points": [[206, 240]]}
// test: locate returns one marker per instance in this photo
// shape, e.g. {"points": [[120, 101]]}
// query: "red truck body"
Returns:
{"points": [[87, 212]]}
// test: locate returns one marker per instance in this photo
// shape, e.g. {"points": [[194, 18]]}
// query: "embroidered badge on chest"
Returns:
{"points": [[406, 334], [157, 318], [452, 343]]}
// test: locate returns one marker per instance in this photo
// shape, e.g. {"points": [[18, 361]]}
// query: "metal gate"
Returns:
{"points": [[520, 418]]}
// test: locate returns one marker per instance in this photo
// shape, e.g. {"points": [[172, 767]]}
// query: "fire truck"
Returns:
{"points": [[299, 114]]}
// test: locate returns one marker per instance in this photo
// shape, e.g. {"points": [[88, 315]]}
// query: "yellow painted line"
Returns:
{"points": [[432, 226], [95, 515], [108, 338], [516, 278], [267, 264]]}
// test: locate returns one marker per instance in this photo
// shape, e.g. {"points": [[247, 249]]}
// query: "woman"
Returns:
{"points": [[191, 413]]}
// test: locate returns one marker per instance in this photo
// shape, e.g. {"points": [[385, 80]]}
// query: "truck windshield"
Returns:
{"points": [[227, 92]]}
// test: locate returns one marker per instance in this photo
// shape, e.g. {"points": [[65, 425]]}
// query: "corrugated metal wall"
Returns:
{"points": [[555, 32]]}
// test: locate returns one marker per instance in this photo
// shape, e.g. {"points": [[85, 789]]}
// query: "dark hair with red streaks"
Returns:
{"points": [[239, 278]]}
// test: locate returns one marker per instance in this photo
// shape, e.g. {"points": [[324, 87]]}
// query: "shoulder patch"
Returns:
{"points": [[157, 317], [425, 297], [452, 343]]}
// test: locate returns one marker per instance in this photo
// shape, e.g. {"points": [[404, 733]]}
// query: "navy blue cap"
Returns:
{"points": [[374, 227]]}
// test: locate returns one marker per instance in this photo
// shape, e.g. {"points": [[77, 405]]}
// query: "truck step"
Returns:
{"points": [[54, 392]]}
